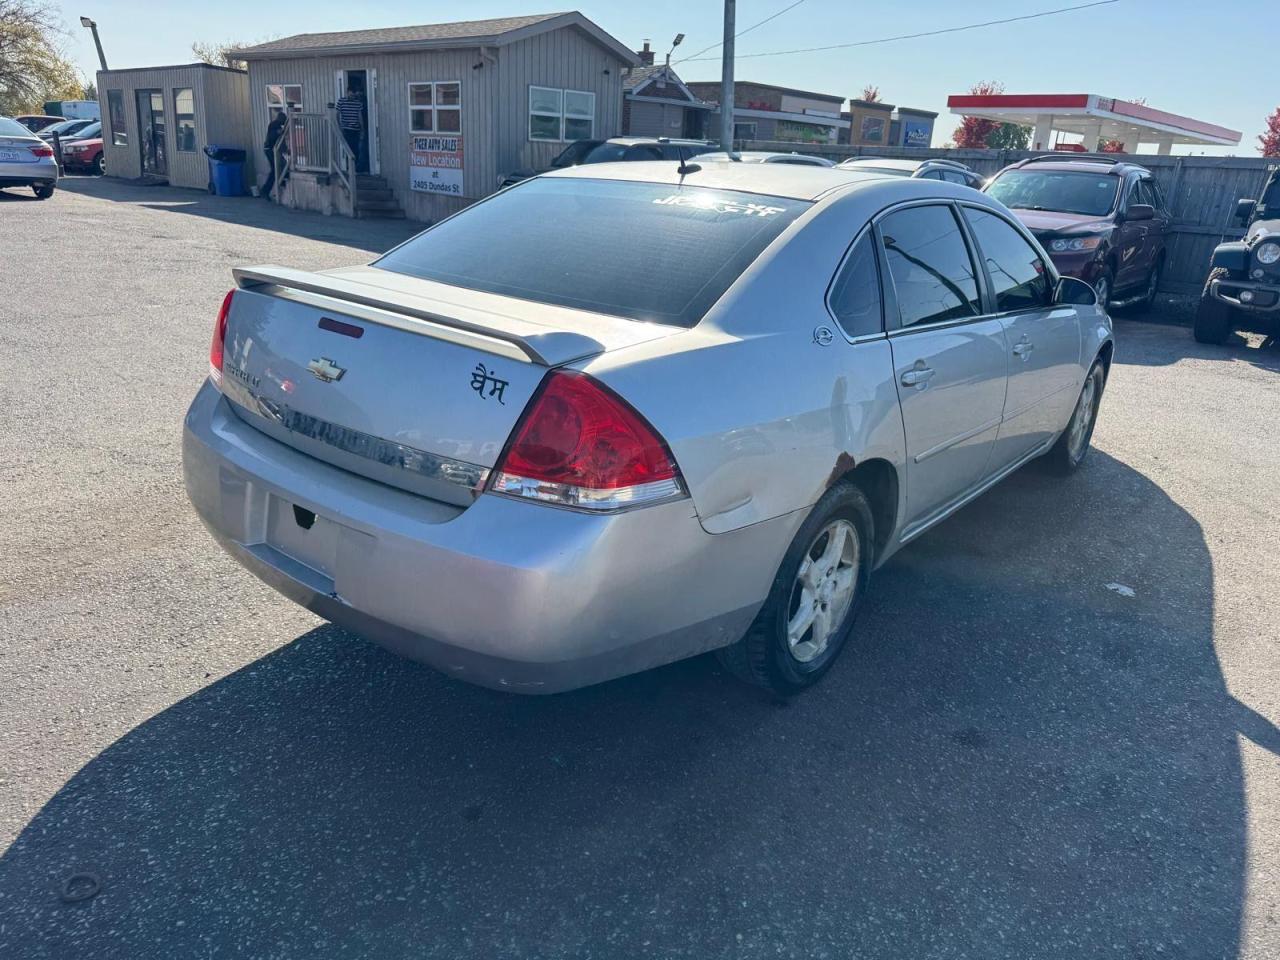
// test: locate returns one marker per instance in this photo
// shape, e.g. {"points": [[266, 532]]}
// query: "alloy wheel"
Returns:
{"points": [[1083, 418], [823, 591]]}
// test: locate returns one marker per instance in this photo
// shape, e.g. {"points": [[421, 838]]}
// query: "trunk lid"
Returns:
{"points": [[406, 381]]}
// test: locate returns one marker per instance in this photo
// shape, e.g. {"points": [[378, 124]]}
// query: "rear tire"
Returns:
{"points": [[807, 618], [1213, 317], [43, 193], [100, 164], [1066, 455]]}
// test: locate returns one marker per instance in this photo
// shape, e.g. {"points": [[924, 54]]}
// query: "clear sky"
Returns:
{"points": [[1184, 56]]}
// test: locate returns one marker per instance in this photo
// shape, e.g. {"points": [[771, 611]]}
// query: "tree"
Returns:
{"points": [[218, 53], [1111, 146], [871, 94], [974, 131], [32, 66], [1009, 136], [1269, 142], [90, 90]]}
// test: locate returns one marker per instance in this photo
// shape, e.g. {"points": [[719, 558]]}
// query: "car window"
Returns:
{"points": [[855, 296], [1158, 195], [1018, 276], [929, 262], [12, 128], [1093, 194], [1133, 196], [931, 175], [955, 176], [1147, 194], [556, 240]]}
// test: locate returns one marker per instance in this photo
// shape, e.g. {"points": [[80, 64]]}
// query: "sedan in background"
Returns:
{"points": [[66, 130], [764, 156], [570, 156], [1103, 221], [952, 171], [26, 160], [86, 154], [35, 122], [538, 458]]}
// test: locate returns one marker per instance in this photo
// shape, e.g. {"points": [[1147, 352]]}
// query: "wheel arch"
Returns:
{"points": [[877, 478]]}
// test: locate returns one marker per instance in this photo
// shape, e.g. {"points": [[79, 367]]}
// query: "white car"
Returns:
{"points": [[26, 160]]}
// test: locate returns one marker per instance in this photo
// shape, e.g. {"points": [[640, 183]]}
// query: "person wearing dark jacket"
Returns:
{"points": [[275, 135]]}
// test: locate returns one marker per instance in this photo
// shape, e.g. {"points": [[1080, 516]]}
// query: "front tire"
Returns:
{"points": [[100, 164], [1213, 317], [1104, 287], [1066, 455], [808, 616], [43, 193]]}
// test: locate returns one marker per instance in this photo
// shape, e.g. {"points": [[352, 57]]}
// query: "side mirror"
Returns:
{"points": [[1244, 211], [1075, 292], [1140, 211]]}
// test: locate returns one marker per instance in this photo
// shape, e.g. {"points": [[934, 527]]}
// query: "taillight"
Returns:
{"points": [[42, 151], [217, 347], [579, 444]]}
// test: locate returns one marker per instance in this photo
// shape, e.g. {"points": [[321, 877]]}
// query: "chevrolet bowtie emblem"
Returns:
{"points": [[325, 369]]}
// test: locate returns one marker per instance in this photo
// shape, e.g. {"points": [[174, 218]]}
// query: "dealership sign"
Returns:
{"points": [[435, 164]]}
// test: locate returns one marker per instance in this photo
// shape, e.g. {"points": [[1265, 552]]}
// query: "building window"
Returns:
{"points": [[184, 113], [558, 115], [115, 116], [435, 107], [280, 94], [744, 131]]}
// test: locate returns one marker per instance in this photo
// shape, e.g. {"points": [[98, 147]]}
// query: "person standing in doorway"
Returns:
{"points": [[351, 122], [275, 135]]}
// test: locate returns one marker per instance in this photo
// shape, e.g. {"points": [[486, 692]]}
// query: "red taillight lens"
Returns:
{"points": [[42, 151], [579, 444], [218, 346]]}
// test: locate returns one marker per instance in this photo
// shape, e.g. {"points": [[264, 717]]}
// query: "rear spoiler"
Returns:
{"points": [[492, 332]]}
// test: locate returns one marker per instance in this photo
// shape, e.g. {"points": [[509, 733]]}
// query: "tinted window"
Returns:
{"points": [[929, 262], [645, 251], [855, 297], [1093, 194], [1017, 271], [955, 176]]}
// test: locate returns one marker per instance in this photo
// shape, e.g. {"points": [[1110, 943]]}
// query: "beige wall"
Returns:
{"points": [[220, 113]]}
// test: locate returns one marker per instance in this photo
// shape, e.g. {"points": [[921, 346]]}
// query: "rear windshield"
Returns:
{"points": [[12, 128], [644, 251], [1059, 191]]}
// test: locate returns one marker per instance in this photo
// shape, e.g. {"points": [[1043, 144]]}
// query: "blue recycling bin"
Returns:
{"points": [[226, 170]]}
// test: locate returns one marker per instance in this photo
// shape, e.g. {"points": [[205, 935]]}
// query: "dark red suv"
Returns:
{"points": [[1103, 221]]}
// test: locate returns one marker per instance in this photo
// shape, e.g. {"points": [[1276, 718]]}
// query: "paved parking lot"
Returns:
{"points": [[1020, 759]]}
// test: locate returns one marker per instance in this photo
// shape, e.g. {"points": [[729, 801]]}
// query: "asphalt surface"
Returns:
{"points": [[1018, 759]]}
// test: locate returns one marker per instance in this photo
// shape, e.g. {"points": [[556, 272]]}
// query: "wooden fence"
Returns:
{"points": [[1201, 193]]}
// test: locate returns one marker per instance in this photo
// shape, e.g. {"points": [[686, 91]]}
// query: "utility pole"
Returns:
{"points": [[726, 79], [90, 25]]}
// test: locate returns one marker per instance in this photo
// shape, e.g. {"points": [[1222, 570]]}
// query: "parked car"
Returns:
{"points": [[26, 160], [952, 171], [765, 156], [1243, 287], [36, 122], [1103, 221], [570, 156], [66, 130], [622, 149], [705, 437], [85, 154]]}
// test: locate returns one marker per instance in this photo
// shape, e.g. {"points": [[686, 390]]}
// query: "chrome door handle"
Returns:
{"points": [[917, 376], [1022, 349]]}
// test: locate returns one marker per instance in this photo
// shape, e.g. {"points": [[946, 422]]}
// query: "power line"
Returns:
{"points": [[911, 36], [720, 43]]}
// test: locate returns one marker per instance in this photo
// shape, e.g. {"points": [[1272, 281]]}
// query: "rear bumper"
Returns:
{"points": [[514, 595], [1265, 297], [28, 174]]}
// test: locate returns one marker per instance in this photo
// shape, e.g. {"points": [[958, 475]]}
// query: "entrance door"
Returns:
{"points": [[151, 128], [364, 85]]}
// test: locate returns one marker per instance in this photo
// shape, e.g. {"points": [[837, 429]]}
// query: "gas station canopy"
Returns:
{"points": [[1092, 117]]}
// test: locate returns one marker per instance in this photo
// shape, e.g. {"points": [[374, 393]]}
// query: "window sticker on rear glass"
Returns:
{"points": [[718, 205]]}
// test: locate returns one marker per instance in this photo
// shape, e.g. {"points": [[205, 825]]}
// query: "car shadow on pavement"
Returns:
{"points": [[376, 235], [1146, 341], [1017, 759]]}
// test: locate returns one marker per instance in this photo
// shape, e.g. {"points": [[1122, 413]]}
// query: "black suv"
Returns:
{"points": [[1243, 289]]}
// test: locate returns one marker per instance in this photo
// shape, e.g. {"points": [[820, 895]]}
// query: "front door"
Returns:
{"points": [[151, 129], [1043, 339], [363, 85], [949, 360]]}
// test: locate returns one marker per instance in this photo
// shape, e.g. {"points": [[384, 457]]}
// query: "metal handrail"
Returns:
{"points": [[342, 160], [281, 169]]}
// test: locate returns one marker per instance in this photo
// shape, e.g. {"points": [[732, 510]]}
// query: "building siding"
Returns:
{"points": [[220, 98]]}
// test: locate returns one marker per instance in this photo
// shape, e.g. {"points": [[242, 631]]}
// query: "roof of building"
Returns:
{"points": [[769, 86], [463, 33], [198, 65]]}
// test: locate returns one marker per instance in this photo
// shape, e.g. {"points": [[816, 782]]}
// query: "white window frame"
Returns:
{"points": [[562, 115], [284, 94], [435, 106]]}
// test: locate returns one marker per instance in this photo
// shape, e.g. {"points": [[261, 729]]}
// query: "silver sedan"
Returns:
{"points": [[26, 160], [623, 414]]}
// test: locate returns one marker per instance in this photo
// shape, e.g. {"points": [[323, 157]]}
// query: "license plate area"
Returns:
{"points": [[11, 156], [303, 536]]}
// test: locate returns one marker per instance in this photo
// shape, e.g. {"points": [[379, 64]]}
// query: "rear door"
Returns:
{"points": [[949, 360], [1043, 338]]}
